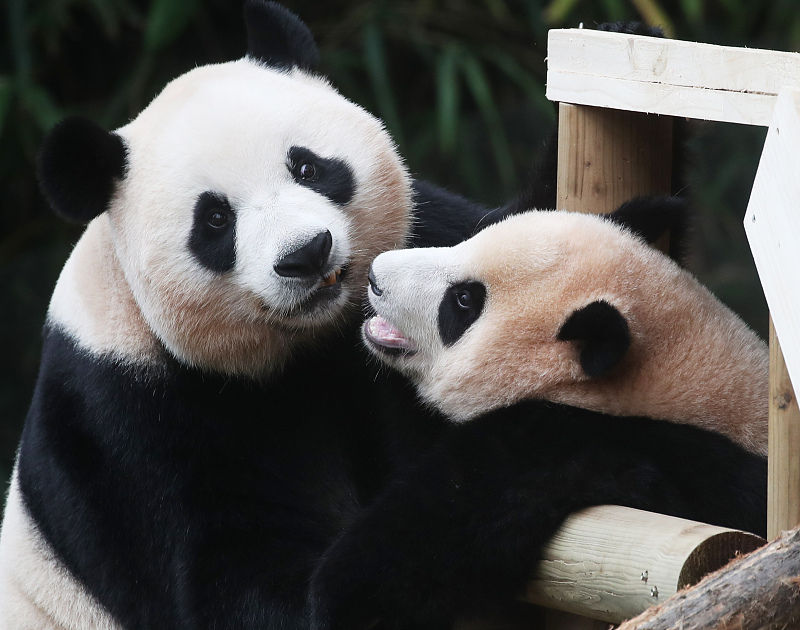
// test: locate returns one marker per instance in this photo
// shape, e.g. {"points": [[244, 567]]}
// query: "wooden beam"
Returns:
{"points": [[665, 76], [758, 592], [772, 225], [611, 562], [783, 465], [606, 157]]}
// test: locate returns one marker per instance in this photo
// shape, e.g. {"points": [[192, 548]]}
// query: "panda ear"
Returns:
{"points": [[656, 219], [601, 334], [277, 37], [78, 168]]}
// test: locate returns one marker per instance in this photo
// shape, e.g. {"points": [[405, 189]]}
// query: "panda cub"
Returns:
{"points": [[559, 306], [204, 422], [574, 309]]}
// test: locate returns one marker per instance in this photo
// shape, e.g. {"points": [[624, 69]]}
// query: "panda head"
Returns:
{"points": [[243, 204], [527, 308]]}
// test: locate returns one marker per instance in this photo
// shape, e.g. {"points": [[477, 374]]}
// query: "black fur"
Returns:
{"points": [[182, 499], [601, 334], [78, 168], [443, 218], [278, 38], [465, 527], [331, 177], [213, 236], [461, 306], [654, 218]]}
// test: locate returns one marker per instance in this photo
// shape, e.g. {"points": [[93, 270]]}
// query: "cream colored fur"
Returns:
{"points": [[691, 359], [36, 591]]}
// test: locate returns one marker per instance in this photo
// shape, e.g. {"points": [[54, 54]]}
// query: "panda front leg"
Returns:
{"points": [[463, 531]]}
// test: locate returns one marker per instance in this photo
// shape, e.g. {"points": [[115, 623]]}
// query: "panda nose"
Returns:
{"points": [[308, 260]]}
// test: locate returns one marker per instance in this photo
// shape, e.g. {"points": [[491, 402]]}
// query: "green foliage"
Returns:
{"points": [[460, 84]]}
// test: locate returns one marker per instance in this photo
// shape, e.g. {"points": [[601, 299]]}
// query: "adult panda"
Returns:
{"points": [[559, 306], [204, 422]]}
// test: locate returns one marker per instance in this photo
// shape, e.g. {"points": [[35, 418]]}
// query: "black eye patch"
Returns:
{"points": [[213, 237], [329, 177], [461, 305]]}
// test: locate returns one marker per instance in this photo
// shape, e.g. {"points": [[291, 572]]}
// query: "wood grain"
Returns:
{"points": [[611, 563]]}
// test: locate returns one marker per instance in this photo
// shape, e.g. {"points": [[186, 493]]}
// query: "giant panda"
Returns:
{"points": [[204, 422], [575, 309], [545, 305]]}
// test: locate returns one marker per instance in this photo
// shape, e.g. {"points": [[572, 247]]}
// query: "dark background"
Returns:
{"points": [[459, 83]]}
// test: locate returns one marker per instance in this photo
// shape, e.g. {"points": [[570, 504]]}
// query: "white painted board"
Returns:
{"points": [[772, 224], [665, 76]]}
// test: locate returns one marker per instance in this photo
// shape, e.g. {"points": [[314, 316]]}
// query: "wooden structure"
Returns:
{"points": [[611, 148]]}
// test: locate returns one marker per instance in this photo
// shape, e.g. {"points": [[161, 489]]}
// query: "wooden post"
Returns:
{"points": [[607, 156], [783, 490]]}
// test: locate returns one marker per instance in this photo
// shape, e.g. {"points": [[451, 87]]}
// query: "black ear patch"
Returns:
{"points": [[277, 37], [655, 217], [78, 166], [601, 334]]}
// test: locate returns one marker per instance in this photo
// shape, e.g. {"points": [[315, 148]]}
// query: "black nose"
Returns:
{"points": [[309, 260], [373, 284]]}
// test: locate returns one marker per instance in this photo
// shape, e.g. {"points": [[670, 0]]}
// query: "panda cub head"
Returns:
{"points": [[235, 216], [571, 308]]}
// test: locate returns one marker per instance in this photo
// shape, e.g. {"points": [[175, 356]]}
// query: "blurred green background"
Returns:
{"points": [[459, 83]]}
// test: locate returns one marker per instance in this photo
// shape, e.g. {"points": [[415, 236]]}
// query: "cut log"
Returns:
{"points": [[760, 591]]}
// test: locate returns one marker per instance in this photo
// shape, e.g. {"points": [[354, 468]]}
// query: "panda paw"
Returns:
{"points": [[358, 587]]}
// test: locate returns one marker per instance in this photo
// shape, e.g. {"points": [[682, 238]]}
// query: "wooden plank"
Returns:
{"points": [[783, 464], [686, 102], [606, 157], [611, 562], [671, 61], [664, 76], [772, 224]]}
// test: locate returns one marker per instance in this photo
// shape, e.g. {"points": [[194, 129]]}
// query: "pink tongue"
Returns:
{"points": [[383, 333]]}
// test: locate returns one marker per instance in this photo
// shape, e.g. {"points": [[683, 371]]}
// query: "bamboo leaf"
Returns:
{"points": [[481, 92], [378, 71], [558, 11], [654, 15], [447, 98], [166, 20], [530, 84], [693, 10]]}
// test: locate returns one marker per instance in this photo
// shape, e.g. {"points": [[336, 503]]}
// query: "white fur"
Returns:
{"points": [[228, 128], [36, 591]]}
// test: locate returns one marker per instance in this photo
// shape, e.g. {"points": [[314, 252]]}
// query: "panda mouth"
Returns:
{"points": [[333, 278], [383, 336]]}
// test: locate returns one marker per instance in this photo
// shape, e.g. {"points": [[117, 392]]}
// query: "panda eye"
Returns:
{"points": [[464, 299], [307, 171], [217, 218]]}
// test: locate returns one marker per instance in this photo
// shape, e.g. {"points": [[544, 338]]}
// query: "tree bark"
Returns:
{"points": [[759, 591]]}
